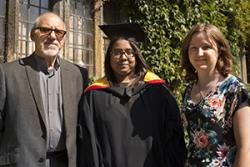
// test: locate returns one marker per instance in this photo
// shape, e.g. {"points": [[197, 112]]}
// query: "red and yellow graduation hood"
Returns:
{"points": [[102, 83]]}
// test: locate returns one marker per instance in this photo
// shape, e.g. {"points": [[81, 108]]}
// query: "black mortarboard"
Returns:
{"points": [[126, 30]]}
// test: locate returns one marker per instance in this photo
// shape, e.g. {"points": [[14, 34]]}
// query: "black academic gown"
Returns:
{"points": [[130, 127]]}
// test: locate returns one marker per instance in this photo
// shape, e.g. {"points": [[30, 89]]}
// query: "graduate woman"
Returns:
{"points": [[129, 117]]}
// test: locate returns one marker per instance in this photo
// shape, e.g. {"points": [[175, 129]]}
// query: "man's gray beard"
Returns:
{"points": [[51, 52]]}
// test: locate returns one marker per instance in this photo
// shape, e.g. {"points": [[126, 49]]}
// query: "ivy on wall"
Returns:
{"points": [[168, 21]]}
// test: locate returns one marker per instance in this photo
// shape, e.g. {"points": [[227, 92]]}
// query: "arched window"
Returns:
{"points": [[29, 11], [2, 29], [80, 33], [113, 12]]}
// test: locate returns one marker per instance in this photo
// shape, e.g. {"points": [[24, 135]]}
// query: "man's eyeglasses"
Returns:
{"points": [[47, 31], [129, 53]]}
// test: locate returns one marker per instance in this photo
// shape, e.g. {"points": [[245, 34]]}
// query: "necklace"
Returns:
{"points": [[205, 86], [205, 93], [202, 95], [208, 89]]}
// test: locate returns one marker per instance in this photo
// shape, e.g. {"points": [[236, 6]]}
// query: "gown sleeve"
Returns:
{"points": [[87, 146], [174, 148]]}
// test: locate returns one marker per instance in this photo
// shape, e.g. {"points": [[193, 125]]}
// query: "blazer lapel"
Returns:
{"points": [[33, 78], [66, 93]]}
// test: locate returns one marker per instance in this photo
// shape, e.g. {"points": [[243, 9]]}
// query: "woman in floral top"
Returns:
{"points": [[215, 104]]}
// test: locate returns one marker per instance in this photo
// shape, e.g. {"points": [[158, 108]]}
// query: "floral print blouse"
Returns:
{"points": [[210, 125]]}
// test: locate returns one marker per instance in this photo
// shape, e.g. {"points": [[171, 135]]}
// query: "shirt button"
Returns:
{"points": [[41, 159]]}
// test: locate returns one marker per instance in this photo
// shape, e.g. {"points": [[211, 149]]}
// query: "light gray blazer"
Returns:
{"points": [[22, 118]]}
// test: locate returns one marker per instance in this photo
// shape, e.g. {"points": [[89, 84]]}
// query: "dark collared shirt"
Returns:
{"points": [[50, 85]]}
